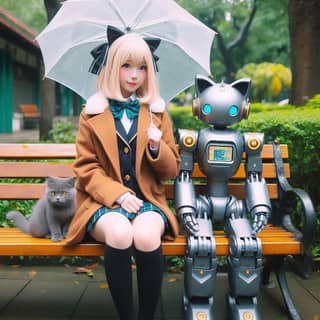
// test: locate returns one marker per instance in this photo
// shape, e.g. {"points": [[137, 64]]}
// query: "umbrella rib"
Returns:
{"points": [[134, 20], [116, 10]]}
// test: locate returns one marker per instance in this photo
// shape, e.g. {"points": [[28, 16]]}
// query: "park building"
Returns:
{"points": [[21, 72]]}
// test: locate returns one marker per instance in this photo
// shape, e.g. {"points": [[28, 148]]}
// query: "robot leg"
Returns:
{"points": [[245, 266], [200, 273]]}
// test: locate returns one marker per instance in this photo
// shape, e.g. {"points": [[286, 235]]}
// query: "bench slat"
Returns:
{"points": [[37, 151], [236, 189], [63, 151], [16, 243], [44, 169], [23, 191], [35, 169]]}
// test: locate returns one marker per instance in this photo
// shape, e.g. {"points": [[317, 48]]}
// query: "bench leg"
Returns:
{"points": [[282, 280], [280, 272], [266, 272]]}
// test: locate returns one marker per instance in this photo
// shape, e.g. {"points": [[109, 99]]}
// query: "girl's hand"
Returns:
{"points": [[154, 136], [131, 203]]}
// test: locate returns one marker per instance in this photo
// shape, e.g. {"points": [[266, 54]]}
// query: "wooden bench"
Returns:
{"points": [[30, 114], [56, 160]]}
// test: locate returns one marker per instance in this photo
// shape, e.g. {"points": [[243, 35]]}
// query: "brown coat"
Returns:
{"points": [[97, 167]]}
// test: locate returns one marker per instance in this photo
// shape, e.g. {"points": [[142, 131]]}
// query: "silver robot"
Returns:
{"points": [[218, 150]]}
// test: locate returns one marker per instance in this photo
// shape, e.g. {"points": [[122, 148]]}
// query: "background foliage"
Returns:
{"points": [[270, 81]]}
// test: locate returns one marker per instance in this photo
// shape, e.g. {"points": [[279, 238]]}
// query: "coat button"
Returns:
{"points": [[127, 177], [126, 150]]}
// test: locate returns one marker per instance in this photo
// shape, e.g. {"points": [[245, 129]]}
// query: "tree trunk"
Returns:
{"points": [[48, 101], [304, 28]]}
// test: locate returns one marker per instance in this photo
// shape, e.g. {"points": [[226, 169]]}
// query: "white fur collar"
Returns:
{"points": [[97, 103]]}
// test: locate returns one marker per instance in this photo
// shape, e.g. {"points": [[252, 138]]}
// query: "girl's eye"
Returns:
{"points": [[143, 68], [126, 65]]}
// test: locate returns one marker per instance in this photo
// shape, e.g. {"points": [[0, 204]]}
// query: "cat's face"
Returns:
{"points": [[60, 191]]}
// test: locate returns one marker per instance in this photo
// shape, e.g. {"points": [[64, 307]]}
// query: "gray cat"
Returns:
{"points": [[52, 214]]}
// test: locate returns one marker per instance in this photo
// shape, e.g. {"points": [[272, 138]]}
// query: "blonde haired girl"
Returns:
{"points": [[122, 156], [128, 47]]}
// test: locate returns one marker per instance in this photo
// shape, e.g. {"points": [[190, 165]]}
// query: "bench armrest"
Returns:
{"points": [[288, 199]]}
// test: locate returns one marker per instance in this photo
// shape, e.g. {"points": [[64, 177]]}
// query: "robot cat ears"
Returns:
{"points": [[202, 83]]}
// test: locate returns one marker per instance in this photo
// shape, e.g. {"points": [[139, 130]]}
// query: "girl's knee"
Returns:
{"points": [[147, 232], [115, 230], [119, 237]]}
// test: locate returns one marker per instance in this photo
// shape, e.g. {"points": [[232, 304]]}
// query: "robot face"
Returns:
{"points": [[221, 104]]}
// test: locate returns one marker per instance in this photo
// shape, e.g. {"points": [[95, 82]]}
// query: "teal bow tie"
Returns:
{"points": [[131, 107]]}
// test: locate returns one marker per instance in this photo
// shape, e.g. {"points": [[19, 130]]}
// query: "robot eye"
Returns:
{"points": [[206, 108], [233, 110]]}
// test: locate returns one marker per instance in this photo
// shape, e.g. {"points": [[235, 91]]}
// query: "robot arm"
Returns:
{"points": [[257, 196], [185, 197]]}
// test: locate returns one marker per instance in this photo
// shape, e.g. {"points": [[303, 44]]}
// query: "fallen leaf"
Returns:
{"points": [[90, 274], [92, 266], [76, 282], [15, 266], [104, 286], [82, 270], [175, 270], [171, 280], [32, 273]]}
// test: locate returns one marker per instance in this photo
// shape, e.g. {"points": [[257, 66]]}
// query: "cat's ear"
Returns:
{"points": [[72, 181], [50, 180]]}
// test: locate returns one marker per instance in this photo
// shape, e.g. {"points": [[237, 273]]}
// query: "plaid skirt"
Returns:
{"points": [[147, 206]]}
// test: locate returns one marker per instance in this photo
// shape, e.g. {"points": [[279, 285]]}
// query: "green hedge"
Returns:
{"points": [[299, 127]]}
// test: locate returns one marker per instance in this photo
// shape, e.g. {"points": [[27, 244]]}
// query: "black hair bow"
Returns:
{"points": [[100, 52]]}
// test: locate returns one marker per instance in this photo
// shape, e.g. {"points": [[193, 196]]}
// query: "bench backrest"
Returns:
{"points": [[42, 160], [29, 108]]}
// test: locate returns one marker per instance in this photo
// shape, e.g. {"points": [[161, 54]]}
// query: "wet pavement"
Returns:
{"points": [[58, 292]]}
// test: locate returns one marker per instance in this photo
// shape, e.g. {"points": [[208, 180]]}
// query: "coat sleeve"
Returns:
{"points": [[92, 177], [167, 163]]}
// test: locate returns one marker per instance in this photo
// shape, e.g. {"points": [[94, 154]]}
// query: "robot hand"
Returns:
{"points": [[260, 220], [190, 222]]}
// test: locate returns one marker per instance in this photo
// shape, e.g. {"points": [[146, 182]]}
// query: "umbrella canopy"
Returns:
{"points": [[80, 26]]}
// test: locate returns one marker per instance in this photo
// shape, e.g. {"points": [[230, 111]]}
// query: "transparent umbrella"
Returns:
{"points": [[80, 26]]}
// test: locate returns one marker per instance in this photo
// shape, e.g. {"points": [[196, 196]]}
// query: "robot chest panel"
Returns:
{"points": [[219, 152]]}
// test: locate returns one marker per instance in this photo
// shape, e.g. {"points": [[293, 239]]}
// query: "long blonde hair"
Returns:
{"points": [[132, 47]]}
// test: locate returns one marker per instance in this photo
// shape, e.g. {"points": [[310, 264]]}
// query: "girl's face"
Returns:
{"points": [[132, 76]]}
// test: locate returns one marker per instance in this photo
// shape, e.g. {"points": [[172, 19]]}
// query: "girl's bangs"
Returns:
{"points": [[135, 51]]}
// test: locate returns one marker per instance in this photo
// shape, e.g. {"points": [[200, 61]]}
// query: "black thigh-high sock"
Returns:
{"points": [[119, 277], [150, 267]]}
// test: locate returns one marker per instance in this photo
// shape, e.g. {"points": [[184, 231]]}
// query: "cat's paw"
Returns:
{"points": [[56, 237]]}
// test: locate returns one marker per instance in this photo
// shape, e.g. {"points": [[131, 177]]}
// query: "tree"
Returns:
{"points": [[48, 101], [231, 20], [30, 12], [304, 27]]}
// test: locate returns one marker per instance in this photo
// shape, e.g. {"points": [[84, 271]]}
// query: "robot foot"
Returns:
{"points": [[242, 308], [199, 309]]}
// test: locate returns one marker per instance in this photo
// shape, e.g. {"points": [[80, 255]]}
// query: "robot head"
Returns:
{"points": [[221, 104]]}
